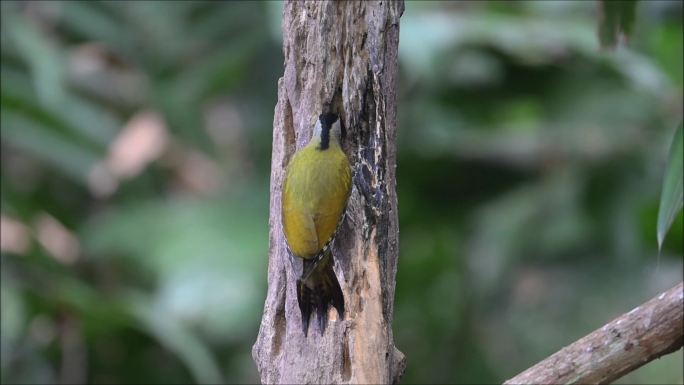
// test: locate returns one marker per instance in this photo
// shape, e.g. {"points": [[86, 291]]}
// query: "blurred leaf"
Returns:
{"points": [[101, 313], [43, 142], [87, 18], [190, 349], [80, 116], [40, 53], [643, 72], [428, 37], [55, 284], [617, 20], [222, 300], [665, 47], [215, 24], [12, 320], [159, 27], [671, 196]]}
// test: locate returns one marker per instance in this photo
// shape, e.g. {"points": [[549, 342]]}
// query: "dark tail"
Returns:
{"points": [[317, 289]]}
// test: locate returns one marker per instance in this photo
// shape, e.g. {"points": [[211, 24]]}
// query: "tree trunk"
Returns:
{"points": [[339, 57]]}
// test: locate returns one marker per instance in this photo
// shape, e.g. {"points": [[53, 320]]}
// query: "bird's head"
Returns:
{"points": [[327, 129]]}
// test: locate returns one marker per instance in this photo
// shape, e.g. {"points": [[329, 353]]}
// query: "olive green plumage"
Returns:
{"points": [[316, 189]]}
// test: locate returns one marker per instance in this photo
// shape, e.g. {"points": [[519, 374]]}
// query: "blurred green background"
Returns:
{"points": [[135, 167]]}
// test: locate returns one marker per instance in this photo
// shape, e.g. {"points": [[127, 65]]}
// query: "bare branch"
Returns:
{"points": [[647, 332]]}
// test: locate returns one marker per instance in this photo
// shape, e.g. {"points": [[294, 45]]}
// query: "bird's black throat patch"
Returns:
{"points": [[327, 120]]}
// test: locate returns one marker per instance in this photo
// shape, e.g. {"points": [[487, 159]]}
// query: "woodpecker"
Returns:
{"points": [[316, 188]]}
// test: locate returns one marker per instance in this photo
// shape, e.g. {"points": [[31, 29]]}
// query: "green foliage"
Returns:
{"points": [[529, 166], [671, 197], [617, 20], [172, 335], [532, 159], [169, 262]]}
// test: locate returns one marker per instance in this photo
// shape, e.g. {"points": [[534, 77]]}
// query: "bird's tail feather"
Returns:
{"points": [[317, 289]]}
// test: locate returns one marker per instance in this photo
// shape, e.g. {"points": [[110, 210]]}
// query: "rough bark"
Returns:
{"points": [[647, 332], [339, 57]]}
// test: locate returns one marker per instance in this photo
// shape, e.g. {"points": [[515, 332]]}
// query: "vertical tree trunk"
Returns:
{"points": [[342, 57]]}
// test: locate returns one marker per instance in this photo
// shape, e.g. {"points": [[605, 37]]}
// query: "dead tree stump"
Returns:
{"points": [[339, 56]]}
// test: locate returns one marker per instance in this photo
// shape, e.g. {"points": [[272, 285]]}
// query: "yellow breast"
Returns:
{"points": [[317, 185]]}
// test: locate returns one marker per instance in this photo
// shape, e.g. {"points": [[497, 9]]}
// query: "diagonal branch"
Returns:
{"points": [[647, 332]]}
